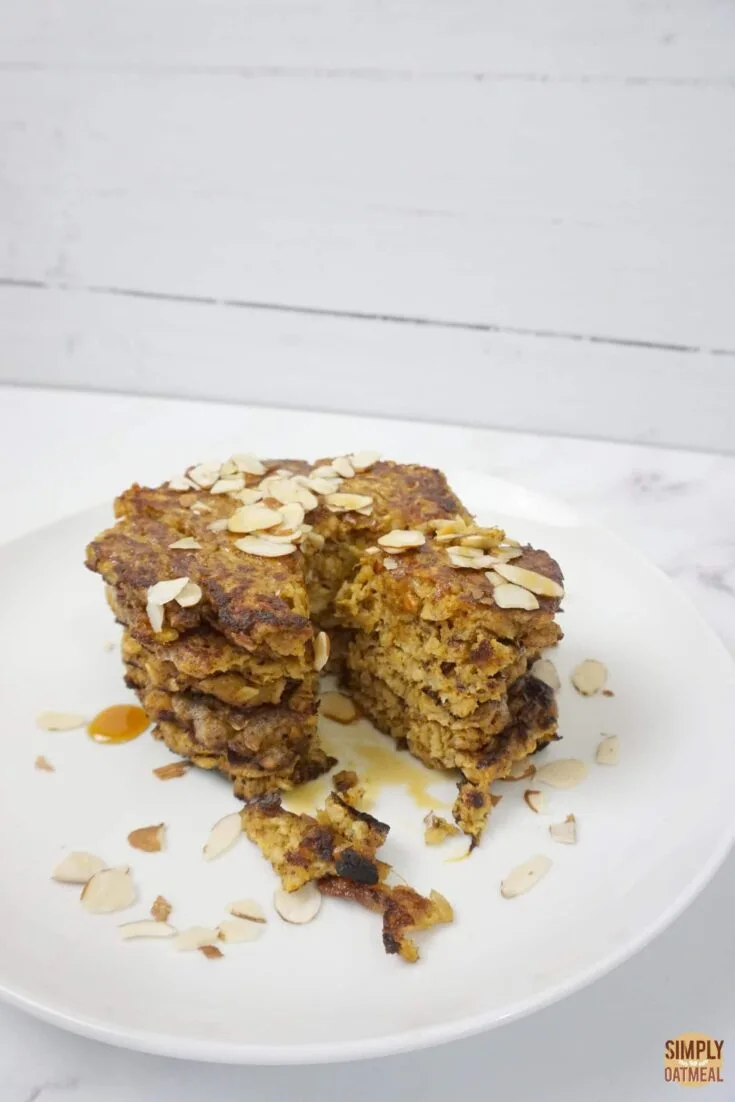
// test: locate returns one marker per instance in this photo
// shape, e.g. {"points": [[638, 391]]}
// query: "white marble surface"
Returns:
{"points": [[62, 452]]}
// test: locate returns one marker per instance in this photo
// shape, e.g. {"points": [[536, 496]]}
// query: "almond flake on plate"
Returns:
{"points": [[107, 891], [514, 596], [608, 750], [43, 764], [239, 929], [589, 677], [534, 799], [173, 769], [246, 909], [264, 548], [194, 937], [211, 952], [523, 877], [565, 832], [161, 909], [562, 773], [60, 721], [77, 868], [150, 839], [187, 543], [298, 907], [544, 670], [321, 651], [223, 836], [338, 707], [146, 927]]}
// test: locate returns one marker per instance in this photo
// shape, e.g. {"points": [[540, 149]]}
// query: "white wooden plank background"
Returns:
{"points": [[516, 214]]}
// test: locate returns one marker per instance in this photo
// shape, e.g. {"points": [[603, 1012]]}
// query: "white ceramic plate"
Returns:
{"points": [[651, 831]]}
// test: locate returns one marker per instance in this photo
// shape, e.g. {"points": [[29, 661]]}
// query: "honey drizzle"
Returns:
{"points": [[119, 723]]}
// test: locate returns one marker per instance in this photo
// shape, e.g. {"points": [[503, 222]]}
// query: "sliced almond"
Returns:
{"points": [[326, 470], [544, 670], [146, 927], [228, 485], [161, 909], [287, 491], [462, 561], [219, 525], [321, 651], [589, 677], [163, 592], [361, 461], [43, 764], [402, 537], [292, 516], [565, 832], [204, 475], [494, 578], [155, 616], [150, 839], [246, 909], [59, 721], [190, 595], [264, 548], [343, 467], [211, 952], [194, 937], [300, 906], [513, 596], [248, 464], [200, 507], [107, 891], [181, 483], [530, 579], [173, 769], [223, 836], [524, 877], [466, 551], [229, 469], [338, 707], [345, 503], [520, 770], [188, 543], [562, 773], [534, 799], [608, 750], [390, 563], [278, 535], [77, 868], [323, 486], [239, 929], [254, 518]]}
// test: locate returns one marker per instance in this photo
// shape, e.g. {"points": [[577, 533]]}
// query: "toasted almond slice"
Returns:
{"points": [[505, 554], [211, 952], [494, 578], [173, 769], [77, 868], [161, 909], [325, 471], [229, 469], [150, 839], [248, 464], [300, 906], [223, 836], [194, 937], [200, 507], [59, 721], [402, 537], [468, 562], [323, 486], [344, 503], [249, 496], [343, 467], [43, 764], [287, 491], [239, 929], [338, 707], [314, 539], [204, 474], [163, 592], [461, 550], [520, 770], [545, 670], [277, 535], [523, 877], [565, 832], [589, 677], [254, 518], [155, 616], [292, 516], [562, 773], [321, 651], [188, 543], [190, 595], [146, 927], [264, 548], [534, 799], [107, 891], [219, 525], [362, 460], [390, 563], [531, 580], [228, 485], [181, 483], [366, 512], [608, 750], [513, 596], [246, 909]]}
